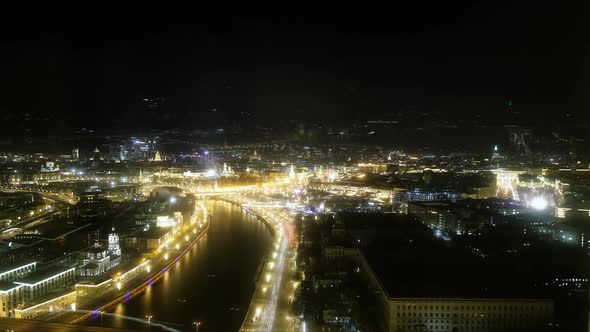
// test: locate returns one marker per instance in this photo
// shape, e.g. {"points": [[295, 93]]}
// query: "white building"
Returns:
{"points": [[114, 247], [98, 261]]}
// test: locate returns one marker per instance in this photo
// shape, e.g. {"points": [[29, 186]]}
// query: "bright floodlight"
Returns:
{"points": [[172, 199], [539, 203]]}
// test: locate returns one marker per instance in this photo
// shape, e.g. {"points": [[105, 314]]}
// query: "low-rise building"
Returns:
{"points": [[17, 271], [94, 286], [451, 217], [59, 302], [459, 314], [97, 261], [152, 239], [11, 296], [451, 313], [42, 282]]}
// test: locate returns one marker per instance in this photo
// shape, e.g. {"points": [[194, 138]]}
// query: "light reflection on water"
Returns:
{"points": [[213, 283]]}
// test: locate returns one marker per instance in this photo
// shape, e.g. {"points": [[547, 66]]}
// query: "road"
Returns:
{"points": [[7, 232], [270, 306]]}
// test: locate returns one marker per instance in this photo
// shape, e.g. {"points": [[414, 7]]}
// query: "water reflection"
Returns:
{"points": [[213, 283]]}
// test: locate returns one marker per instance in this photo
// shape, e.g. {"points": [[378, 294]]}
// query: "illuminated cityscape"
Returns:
{"points": [[423, 169]]}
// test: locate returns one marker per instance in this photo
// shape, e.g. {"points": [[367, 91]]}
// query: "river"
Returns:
{"points": [[212, 284]]}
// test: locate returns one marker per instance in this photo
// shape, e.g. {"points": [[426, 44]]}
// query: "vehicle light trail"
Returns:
{"points": [[269, 313]]}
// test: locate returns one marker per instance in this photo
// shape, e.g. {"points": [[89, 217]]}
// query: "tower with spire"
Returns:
{"points": [[255, 156], [157, 156], [496, 153], [114, 247]]}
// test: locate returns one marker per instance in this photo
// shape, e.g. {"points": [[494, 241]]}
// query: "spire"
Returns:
{"points": [[157, 156]]}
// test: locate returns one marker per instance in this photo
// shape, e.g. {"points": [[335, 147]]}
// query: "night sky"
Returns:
{"points": [[93, 66]]}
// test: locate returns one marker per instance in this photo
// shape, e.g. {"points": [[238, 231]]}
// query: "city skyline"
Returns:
{"points": [[295, 167]]}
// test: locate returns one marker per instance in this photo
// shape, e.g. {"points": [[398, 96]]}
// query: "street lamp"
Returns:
{"points": [[292, 321], [196, 324], [149, 318]]}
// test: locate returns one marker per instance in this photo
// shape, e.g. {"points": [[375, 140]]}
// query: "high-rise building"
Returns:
{"points": [[76, 154]]}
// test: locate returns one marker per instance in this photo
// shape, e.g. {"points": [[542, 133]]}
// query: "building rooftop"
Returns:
{"points": [[88, 266], [41, 275], [95, 280], [154, 233], [428, 269], [12, 266], [96, 250], [7, 285]]}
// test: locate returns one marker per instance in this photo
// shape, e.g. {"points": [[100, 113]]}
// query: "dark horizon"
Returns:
{"points": [[458, 62]]}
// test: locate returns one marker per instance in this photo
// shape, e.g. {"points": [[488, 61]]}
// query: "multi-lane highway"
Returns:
{"points": [[270, 306]]}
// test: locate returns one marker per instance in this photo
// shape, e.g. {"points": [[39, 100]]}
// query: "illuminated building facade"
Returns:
{"points": [[439, 215], [153, 239], [440, 314], [113, 239], [49, 167], [169, 221], [506, 183], [424, 314], [157, 156], [63, 302], [42, 282], [11, 295], [98, 261], [18, 272]]}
